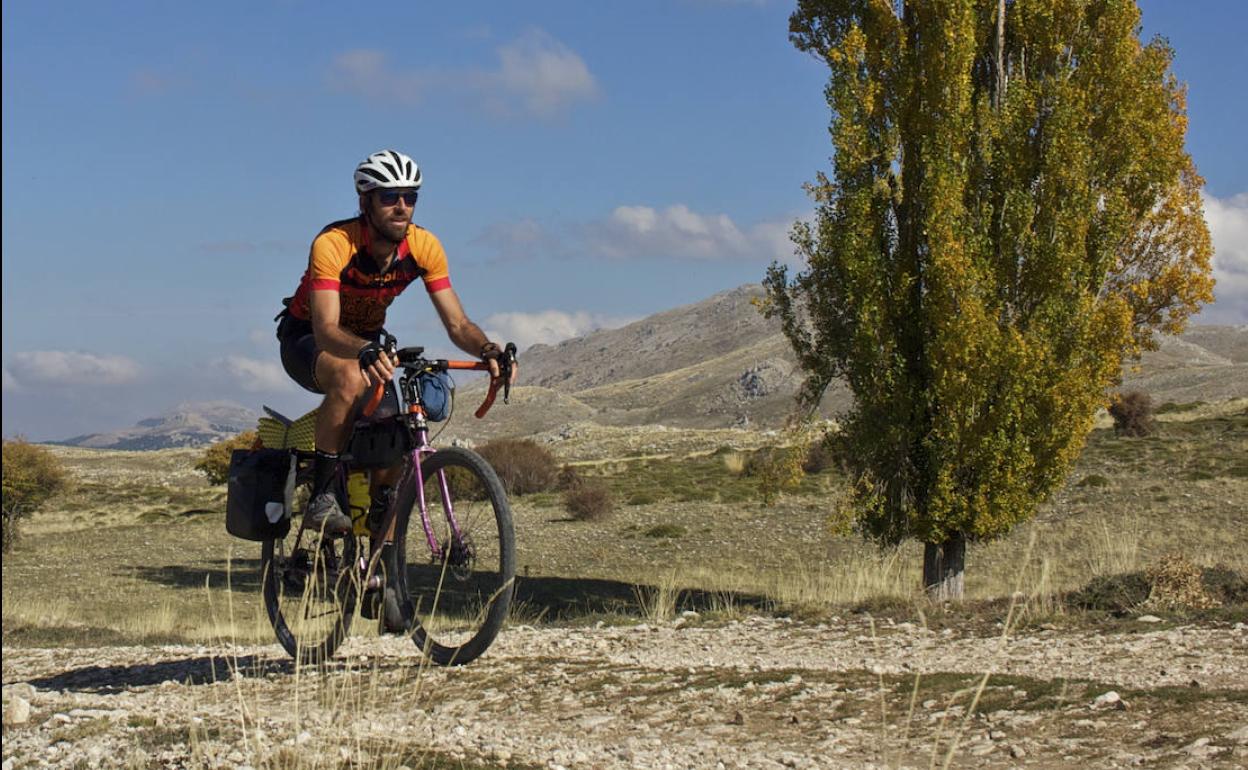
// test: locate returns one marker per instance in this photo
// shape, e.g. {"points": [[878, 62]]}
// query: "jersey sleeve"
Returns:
{"points": [[326, 261], [430, 256]]}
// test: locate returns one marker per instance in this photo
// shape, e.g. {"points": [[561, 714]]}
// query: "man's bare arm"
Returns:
{"points": [[331, 337], [466, 335]]}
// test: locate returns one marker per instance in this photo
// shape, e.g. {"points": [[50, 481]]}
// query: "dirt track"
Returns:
{"points": [[758, 693]]}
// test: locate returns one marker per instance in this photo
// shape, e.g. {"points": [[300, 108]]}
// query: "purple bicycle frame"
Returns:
{"points": [[414, 473]]}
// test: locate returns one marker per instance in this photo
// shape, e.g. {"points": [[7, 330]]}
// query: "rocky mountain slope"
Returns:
{"points": [[187, 424], [712, 364], [718, 363]]}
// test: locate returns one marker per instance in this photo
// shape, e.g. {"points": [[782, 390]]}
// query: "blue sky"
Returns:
{"points": [[166, 165]]}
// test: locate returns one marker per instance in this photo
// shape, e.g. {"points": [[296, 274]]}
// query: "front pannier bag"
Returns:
{"points": [[436, 392], [261, 484]]}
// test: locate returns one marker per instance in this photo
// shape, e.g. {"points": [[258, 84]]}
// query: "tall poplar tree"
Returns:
{"points": [[1011, 214]]}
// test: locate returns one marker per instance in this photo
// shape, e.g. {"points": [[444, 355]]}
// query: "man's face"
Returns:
{"points": [[391, 211]]}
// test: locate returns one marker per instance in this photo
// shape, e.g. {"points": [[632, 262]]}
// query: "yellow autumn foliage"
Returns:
{"points": [[1009, 218]]}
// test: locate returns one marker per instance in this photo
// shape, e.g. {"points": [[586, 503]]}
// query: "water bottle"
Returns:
{"points": [[358, 500]]}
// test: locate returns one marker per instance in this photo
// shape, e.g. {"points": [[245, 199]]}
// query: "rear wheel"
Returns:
{"points": [[456, 595], [310, 588]]}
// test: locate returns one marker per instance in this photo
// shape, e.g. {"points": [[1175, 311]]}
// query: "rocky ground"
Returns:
{"points": [[755, 693]]}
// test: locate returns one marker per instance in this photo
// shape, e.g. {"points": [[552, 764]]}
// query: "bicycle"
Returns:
{"points": [[451, 589]]}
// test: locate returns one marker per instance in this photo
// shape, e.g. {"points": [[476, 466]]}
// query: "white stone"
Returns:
{"points": [[1239, 736], [17, 711], [1149, 619], [1110, 700]]}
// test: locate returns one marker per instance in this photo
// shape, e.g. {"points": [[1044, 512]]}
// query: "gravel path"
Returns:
{"points": [[755, 693]]}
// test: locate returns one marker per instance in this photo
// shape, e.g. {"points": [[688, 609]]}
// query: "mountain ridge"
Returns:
{"points": [[716, 363], [188, 424]]}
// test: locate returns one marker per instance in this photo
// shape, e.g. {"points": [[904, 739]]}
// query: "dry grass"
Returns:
{"points": [[161, 567]]}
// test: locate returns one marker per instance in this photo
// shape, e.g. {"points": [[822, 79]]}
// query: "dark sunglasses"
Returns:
{"points": [[391, 197]]}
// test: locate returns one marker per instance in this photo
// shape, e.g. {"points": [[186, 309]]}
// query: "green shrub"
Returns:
{"points": [[1132, 412], [523, 465], [32, 475], [589, 501], [776, 469], [643, 497], [665, 530], [1170, 407], [1116, 594], [215, 462]]}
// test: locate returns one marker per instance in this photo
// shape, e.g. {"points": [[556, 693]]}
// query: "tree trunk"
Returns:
{"points": [[943, 568]]}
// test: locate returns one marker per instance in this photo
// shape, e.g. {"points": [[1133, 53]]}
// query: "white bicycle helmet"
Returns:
{"points": [[386, 170]]}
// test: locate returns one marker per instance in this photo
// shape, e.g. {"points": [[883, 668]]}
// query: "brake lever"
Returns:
{"points": [[509, 358]]}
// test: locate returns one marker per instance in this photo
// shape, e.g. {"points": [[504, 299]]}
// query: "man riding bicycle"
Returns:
{"points": [[331, 329]]}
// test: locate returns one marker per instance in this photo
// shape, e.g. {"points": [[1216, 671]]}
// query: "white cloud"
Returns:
{"points": [[257, 376], [367, 73], [539, 75], [546, 326], [1228, 224], [10, 382], [678, 231], [536, 75], [62, 367]]}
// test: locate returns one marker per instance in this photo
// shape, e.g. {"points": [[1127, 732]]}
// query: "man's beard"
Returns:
{"points": [[391, 232]]}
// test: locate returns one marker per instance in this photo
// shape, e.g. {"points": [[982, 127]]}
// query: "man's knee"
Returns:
{"points": [[340, 377]]}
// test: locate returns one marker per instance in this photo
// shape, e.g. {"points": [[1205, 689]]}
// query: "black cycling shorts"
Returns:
{"points": [[299, 350]]}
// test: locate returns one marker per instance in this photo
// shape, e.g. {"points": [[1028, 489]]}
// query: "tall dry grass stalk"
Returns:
{"points": [[1116, 551], [735, 462], [657, 603], [321, 710], [1012, 616], [861, 577]]}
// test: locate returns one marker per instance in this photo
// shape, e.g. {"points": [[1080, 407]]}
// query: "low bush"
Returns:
{"points": [[818, 458], [776, 469], [1178, 584], [523, 465], [665, 530], [589, 501], [569, 478], [1132, 412], [1117, 594], [215, 462], [32, 476]]}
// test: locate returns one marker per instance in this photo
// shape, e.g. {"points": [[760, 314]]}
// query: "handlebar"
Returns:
{"points": [[412, 358]]}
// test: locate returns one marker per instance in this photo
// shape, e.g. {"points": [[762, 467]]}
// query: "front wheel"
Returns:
{"points": [[458, 562]]}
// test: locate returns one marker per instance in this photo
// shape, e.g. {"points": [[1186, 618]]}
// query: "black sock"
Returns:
{"points": [[324, 471]]}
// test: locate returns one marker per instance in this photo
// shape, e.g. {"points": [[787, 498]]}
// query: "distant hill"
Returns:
{"points": [[718, 364], [185, 425], [712, 364]]}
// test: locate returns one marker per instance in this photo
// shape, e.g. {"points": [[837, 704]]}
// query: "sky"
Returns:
{"points": [[167, 164]]}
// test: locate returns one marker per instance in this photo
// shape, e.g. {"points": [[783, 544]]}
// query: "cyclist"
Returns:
{"points": [[331, 329]]}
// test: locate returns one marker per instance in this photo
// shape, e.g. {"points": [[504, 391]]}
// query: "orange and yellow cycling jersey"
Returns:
{"points": [[339, 261]]}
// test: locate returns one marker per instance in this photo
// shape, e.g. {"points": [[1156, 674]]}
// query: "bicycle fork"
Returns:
{"points": [[413, 475]]}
